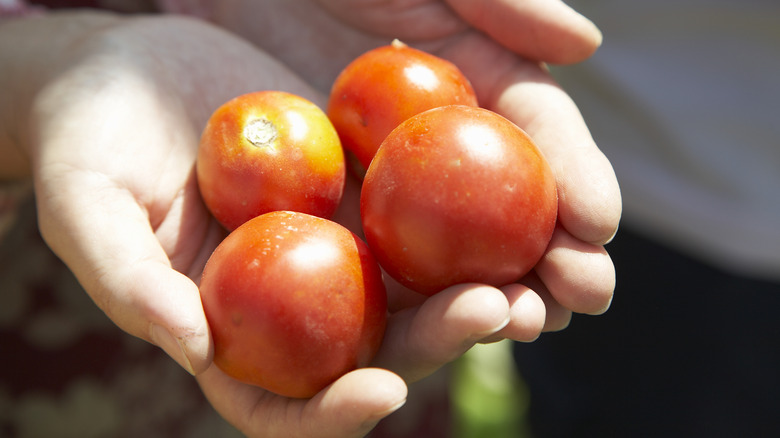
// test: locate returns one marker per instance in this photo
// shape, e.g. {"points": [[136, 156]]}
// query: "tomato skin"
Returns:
{"points": [[458, 194], [385, 86], [242, 174], [293, 301]]}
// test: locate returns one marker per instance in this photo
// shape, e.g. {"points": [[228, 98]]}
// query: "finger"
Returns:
{"points": [[368, 395], [350, 407], [527, 315], [544, 30], [105, 238], [188, 233], [557, 316], [421, 339], [424, 21], [589, 204], [579, 275], [533, 311]]}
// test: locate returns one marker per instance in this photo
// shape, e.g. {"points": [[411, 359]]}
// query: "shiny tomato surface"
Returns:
{"points": [[458, 194], [268, 151], [385, 86], [293, 301]]}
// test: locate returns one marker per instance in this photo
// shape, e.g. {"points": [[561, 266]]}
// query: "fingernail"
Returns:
{"points": [[612, 237], [171, 345], [393, 408], [380, 415], [599, 36], [496, 329]]}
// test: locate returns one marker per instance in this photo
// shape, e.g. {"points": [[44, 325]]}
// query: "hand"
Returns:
{"points": [[575, 275], [501, 46], [113, 142], [115, 111]]}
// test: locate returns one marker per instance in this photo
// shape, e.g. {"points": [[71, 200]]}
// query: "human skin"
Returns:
{"points": [[105, 120]]}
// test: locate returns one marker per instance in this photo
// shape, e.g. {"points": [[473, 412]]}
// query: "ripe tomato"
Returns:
{"points": [[458, 194], [268, 151], [294, 301], [385, 86]]}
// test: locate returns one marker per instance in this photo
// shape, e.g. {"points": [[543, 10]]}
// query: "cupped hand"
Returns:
{"points": [[113, 135], [502, 47]]}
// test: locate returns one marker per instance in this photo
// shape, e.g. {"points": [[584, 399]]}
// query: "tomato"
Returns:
{"points": [[268, 151], [385, 86], [293, 301], [458, 194]]}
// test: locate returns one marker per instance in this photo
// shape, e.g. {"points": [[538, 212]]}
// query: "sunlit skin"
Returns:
{"points": [[294, 302], [269, 151], [385, 86], [458, 194]]}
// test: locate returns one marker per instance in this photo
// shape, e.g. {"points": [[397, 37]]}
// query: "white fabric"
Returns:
{"points": [[684, 98]]}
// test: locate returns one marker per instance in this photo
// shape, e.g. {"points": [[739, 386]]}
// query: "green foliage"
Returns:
{"points": [[488, 396]]}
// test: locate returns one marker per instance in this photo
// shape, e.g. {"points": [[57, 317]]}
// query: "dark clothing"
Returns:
{"points": [[686, 350]]}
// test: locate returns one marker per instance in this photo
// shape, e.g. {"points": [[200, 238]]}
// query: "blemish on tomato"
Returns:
{"points": [[261, 133]]}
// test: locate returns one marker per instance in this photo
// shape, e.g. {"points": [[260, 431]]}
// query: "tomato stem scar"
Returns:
{"points": [[398, 44], [261, 132]]}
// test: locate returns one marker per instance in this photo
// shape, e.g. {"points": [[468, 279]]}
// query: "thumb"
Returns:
{"points": [[104, 236], [349, 407]]}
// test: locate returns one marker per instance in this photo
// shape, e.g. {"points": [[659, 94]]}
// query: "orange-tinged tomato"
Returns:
{"points": [[458, 194], [293, 301], [385, 86], [268, 151]]}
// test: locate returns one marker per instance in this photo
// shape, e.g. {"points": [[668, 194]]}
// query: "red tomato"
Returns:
{"points": [[385, 86], [293, 301], [458, 194], [268, 151]]}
